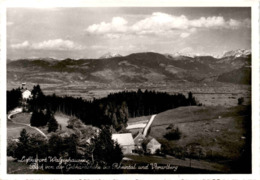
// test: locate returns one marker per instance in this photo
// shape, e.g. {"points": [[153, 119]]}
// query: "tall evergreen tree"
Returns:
{"points": [[38, 118], [105, 149], [38, 99], [23, 145], [52, 124], [55, 145]]}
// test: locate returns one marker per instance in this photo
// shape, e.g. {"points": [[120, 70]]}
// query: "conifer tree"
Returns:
{"points": [[52, 125]]}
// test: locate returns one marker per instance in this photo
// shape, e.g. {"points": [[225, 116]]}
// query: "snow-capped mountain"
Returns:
{"points": [[237, 53], [234, 53], [179, 54], [110, 55]]}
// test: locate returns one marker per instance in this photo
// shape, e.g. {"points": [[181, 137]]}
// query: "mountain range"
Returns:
{"points": [[232, 67]]}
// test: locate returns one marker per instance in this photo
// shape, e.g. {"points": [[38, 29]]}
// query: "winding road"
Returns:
{"points": [[17, 111]]}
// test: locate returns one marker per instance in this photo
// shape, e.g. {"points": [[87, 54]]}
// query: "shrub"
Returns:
{"points": [[11, 147], [167, 148], [158, 152], [139, 151], [174, 134], [195, 151]]}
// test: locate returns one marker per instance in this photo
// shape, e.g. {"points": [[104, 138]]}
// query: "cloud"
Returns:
{"points": [[117, 25], [209, 22], [161, 23], [22, 45], [55, 44]]}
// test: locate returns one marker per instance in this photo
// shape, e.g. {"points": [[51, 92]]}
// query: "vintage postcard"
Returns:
{"points": [[130, 89]]}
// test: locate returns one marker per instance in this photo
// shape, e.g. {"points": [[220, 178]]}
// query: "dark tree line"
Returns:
{"points": [[115, 109], [14, 98]]}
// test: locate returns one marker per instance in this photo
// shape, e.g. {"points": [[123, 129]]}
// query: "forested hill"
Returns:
{"points": [[115, 109]]}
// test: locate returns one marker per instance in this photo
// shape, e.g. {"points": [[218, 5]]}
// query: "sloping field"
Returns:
{"points": [[136, 126], [22, 118], [139, 119], [221, 132], [62, 119], [13, 130]]}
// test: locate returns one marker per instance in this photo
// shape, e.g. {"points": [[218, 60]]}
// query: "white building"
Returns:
{"points": [[26, 94], [153, 145], [125, 141]]}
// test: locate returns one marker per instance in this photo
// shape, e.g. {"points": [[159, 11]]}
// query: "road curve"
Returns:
{"points": [[13, 112], [148, 125], [18, 110]]}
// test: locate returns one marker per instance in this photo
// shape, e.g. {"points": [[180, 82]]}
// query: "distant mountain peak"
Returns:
{"points": [[237, 53], [181, 54], [110, 55], [178, 54]]}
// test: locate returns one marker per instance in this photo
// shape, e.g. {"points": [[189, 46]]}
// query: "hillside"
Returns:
{"points": [[220, 133], [238, 76], [145, 67]]}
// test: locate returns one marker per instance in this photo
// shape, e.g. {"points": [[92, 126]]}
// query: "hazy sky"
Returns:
{"points": [[91, 32]]}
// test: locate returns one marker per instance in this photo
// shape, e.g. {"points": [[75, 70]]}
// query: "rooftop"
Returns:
{"points": [[125, 139]]}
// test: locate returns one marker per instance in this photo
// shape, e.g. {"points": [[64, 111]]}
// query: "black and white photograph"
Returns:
{"points": [[129, 90]]}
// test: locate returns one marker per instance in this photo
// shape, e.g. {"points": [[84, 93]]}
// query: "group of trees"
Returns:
{"points": [[173, 133], [43, 118], [115, 109], [42, 115], [102, 150], [27, 146], [14, 98]]}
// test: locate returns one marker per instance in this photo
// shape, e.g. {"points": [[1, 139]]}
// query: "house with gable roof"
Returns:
{"points": [[125, 141], [150, 143], [152, 146]]}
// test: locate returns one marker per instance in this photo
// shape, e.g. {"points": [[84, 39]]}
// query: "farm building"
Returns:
{"points": [[153, 145], [125, 141], [26, 94]]}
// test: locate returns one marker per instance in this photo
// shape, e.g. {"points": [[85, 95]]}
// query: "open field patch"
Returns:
{"points": [[13, 130], [22, 118], [141, 119], [136, 126], [62, 120]]}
